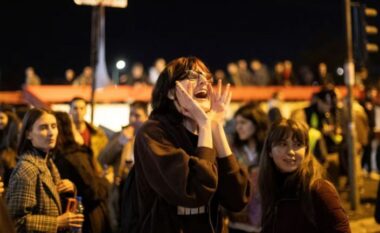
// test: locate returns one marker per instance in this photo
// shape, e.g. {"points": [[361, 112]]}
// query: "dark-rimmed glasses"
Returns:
{"points": [[194, 76]]}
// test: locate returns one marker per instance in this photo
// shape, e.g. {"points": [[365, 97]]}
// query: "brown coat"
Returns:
{"points": [[172, 171], [330, 216]]}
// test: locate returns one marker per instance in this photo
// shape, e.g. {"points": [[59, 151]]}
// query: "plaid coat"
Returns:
{"points": [[32, 197]]}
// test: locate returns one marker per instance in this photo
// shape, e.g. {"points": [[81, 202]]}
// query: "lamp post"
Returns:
{"points": [[349, 72], [120, 65], [97, 56]]}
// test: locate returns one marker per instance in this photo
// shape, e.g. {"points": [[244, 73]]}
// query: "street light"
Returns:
{"points": [[120, 65]]}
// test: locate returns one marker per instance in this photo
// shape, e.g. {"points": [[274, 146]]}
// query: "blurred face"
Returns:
{"points": [[44, 132], [137, 71], [78, 111], [137, 116], [87, 72], [279, 68], [322, 68], [70, 74], [3, 120], [29, 72], [244, 128], [326, 105], [232, 68], [199, 80], [255, 65], [288, 154], [160, 65]]}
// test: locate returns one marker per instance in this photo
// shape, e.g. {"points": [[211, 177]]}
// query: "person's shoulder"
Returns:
{"points": [[324, 189], [150, 126], [151, 129], [95, 129], [27, 167]]}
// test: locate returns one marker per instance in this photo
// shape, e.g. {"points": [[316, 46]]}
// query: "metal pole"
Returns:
{"points": [[351, 139], [97, 13]]}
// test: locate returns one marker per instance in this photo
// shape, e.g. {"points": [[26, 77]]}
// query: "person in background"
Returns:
{"points": [[137, 75], [219, 74], [31, 78], [74, 163], [111, 155], [370, 152], [288, 74], [234, 75], [324, 78], [85, 78], [93, 137], [69, 77], [156, 69], [278, 73], [251, 125], [119, 154], [9, 129], [260, 71], [33, 194], [245, 74], [295, 195]]}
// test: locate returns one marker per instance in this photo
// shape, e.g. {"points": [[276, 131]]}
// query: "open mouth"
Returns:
{"points": [[290, 160], [201, 94]]}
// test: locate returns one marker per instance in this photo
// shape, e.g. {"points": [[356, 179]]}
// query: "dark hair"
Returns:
{"points": [[259, 118], [27, 123], [76, 99], [9, 135], [274, 114], [302, 179], [327, 93], [174, 71], [66, 136], [140, 105]]}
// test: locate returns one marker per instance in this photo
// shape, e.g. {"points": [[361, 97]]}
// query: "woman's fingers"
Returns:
{"points": [[219, 93], [226, 93], [76, 220], [229, 97]]}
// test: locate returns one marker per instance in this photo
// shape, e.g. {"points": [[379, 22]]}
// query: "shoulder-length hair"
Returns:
{"points": [[302, 179], [66, 138], [28, 121], [174, 71], [259, 119]]}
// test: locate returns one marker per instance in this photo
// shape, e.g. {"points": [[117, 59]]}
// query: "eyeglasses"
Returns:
{"points": [[194, 76]]}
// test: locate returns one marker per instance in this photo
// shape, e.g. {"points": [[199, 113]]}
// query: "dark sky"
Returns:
{"points": [[55, 35]]}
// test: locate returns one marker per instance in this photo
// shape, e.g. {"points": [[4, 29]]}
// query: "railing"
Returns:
{"points": [[46, 95]]}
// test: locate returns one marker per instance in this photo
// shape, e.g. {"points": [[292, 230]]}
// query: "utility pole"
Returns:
{"points": [[351, 137], [97, 56], [97, 17]]}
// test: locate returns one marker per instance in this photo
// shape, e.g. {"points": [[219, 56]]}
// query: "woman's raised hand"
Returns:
{"points": [[188, 106], [219, 102]]}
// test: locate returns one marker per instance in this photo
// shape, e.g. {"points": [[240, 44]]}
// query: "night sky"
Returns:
{"points": [[55, 35]]}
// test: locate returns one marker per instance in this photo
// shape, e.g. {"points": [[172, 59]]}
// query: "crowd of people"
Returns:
{"points": [[182, 167], [237, 73]]}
